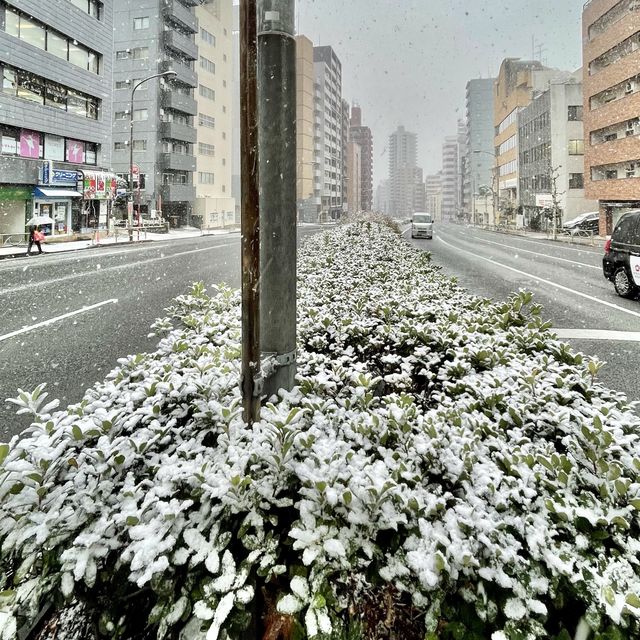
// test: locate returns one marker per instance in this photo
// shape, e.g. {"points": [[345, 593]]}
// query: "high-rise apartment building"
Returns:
{"points": [[514, 86], [328, 138], [346, 170], [214, 205], [419, 194], [480, 156], [451, 179], [551, 153], [354, 182], [308, 201], [382, 200], [55, 114], [611, 82], [433, 196], [154, 36], [362, 135], [403, 152]]}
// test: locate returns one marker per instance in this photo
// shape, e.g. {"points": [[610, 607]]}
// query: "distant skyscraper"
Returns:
{"points": [[308, 202], [346, 171], [480, 158], [403, 150], [362, 135], [433, 195]]}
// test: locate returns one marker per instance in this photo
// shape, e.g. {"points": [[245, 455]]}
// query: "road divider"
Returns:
{"points": [[50, 321], [605, 303]]}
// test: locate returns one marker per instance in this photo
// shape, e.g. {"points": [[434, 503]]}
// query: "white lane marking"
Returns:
{"points": [[598, 334], [118, 267], [543, 243], [537, 253], [64, 316], [549, 282]]}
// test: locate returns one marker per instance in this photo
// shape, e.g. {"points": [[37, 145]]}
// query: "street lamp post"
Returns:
{"points": [[166, 74]]}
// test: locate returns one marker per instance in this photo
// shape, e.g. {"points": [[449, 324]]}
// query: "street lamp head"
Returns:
{"points": [[169, 74]]}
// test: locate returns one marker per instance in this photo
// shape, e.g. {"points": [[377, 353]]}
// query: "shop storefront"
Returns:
{"points": [[76, 201], [56, 197], [99, 189]]}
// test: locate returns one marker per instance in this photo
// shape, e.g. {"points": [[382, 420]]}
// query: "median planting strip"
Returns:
{"points": [[445, 468]]}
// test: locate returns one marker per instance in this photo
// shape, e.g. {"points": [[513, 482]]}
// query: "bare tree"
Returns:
{"points": [[554, 174]]}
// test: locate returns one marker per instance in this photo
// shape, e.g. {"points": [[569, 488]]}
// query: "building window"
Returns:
{"points": [[576, 181], [90, 153], [576, 147], [207, 37], [122, 115], [138, 53], [206, 121], [139, 145], [575, 113], [141, 23], [123, 84], [120, 146], [207, 65], [207, 93], [206, 149], [28, 86], [224, 57], [43, 37], [619, 51], [205, 178], [92, 7], [140, 114], [617, 171]]}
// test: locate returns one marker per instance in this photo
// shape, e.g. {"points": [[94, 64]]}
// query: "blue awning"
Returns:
{"points": [[40, 192]]}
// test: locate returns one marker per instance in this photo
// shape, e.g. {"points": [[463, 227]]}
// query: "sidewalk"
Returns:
{"points": [[121, 239]]}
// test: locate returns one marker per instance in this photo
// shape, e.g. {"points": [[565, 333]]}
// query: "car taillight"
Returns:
{"points": [[607, 247]]}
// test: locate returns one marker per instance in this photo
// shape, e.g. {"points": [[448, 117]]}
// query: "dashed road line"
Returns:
{"points": [[55, 319]]}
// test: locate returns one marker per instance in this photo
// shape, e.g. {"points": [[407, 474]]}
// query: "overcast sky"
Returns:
{"points": [[408, 61]]}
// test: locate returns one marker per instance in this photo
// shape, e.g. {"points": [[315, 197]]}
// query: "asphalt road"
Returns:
{"points": [[101, 303], [566, 280]]}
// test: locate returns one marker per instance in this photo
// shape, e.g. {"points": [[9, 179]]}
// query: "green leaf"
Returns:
{"points": [[4, 452], [347, 497], [77, 432], [119, 459], [633, 600], [132, 521]]}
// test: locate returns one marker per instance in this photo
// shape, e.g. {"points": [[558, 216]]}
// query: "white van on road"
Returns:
{"points": [[421, 225]]}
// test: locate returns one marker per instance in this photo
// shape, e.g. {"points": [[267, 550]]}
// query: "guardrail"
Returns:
{"points": [[14, 239]]}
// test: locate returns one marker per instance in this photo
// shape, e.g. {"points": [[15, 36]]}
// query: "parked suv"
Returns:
{"points": [[621, 262]]}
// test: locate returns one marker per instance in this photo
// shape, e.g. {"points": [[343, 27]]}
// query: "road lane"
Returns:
{"points": [[575, 297], [72, 354]]}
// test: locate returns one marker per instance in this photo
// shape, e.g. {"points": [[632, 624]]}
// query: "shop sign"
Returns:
{"points": [[29, 144], [75, 151], [99, 185], [544, 200], [9, 145], [59, 177]]}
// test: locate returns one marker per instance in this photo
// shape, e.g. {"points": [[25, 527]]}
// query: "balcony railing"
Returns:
{"points": [[180, 43], [179, 102], [185, 75], [177, 131], [178, 13]]}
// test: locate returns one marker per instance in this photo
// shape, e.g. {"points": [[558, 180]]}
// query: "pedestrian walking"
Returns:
{"points": [[35, 237]]}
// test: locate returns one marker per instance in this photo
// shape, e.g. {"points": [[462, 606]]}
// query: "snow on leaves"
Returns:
{"points": [[437, 443]]}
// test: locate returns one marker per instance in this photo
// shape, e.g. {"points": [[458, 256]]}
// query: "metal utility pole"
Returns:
{"points": [[250, 223], [277, 162]]}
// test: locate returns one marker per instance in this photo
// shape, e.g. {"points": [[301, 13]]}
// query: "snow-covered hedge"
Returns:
{"points": [[446, 468]]}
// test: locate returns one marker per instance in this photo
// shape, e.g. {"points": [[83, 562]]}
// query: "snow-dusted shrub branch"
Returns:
{"points": [[441, 454]]}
